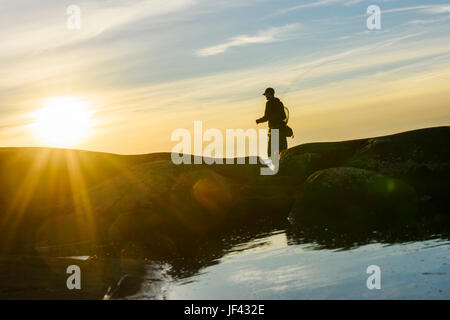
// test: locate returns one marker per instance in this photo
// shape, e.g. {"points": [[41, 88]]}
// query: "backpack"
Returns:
{"points": [[285, 129]]}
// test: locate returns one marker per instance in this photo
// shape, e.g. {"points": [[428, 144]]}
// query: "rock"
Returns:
{"points": [[79, 196], [166, 207], [351, 197], [303, 160], [301, 165], [420, 158]]}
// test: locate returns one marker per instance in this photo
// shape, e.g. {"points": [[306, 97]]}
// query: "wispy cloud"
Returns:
{"points": [[422, 22], [319, 3], [352, 2], [50, 32], [403, 9], [439, 9], [434, 9], [273, 34]]}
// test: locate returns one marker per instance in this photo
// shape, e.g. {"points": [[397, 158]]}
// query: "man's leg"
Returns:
{"points": [[283, 143], [272, 154]]}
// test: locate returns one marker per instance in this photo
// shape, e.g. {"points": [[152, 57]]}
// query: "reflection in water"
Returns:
{"points": [[415, 270], [149, 284], [262, 260]]}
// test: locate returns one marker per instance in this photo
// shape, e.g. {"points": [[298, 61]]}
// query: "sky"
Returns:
{"points": [[148, 67]]}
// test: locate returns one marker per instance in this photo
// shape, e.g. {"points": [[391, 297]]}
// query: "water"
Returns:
{"points": [[270, 268], [279, 263]]}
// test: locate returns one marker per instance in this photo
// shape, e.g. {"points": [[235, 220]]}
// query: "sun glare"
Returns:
{"points": [[63, 121]]}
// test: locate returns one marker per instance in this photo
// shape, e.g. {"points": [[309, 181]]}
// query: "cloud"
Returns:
{"points": [[273, 34], [421, 21], [319, 3], [439, 9], [353, 2], [440, 19], [50, 32], [433, 9], [403, 9]]}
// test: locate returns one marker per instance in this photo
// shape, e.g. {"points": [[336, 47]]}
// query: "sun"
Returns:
{"points": [[63, 121]]}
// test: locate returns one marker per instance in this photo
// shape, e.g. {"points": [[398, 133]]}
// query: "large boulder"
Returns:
{"points": [[303, 160], [165, 207], [351, 197], [420, 158]]}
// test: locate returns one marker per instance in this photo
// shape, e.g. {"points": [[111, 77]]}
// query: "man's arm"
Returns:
{"points": [[264, 118]]}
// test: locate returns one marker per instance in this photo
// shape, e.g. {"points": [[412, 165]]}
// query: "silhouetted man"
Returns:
{"points": [[275, 114]]}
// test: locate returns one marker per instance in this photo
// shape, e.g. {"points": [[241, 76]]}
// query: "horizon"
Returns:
{"points": [[146, 69], [193, 154]]}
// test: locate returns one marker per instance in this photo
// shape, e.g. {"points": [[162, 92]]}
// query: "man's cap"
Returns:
{"points": [[269, 90]]}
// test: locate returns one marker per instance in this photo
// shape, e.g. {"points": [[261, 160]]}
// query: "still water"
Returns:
{"points": [[278, 263], [270, 267]]}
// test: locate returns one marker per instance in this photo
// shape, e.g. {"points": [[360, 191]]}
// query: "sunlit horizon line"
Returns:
{"points": [[357, 137]]}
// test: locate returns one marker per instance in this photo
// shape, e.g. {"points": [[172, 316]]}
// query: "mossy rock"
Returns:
{"points": [[351, 197]]}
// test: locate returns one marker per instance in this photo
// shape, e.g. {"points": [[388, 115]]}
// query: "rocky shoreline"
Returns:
{"points": [[148, 201]]}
